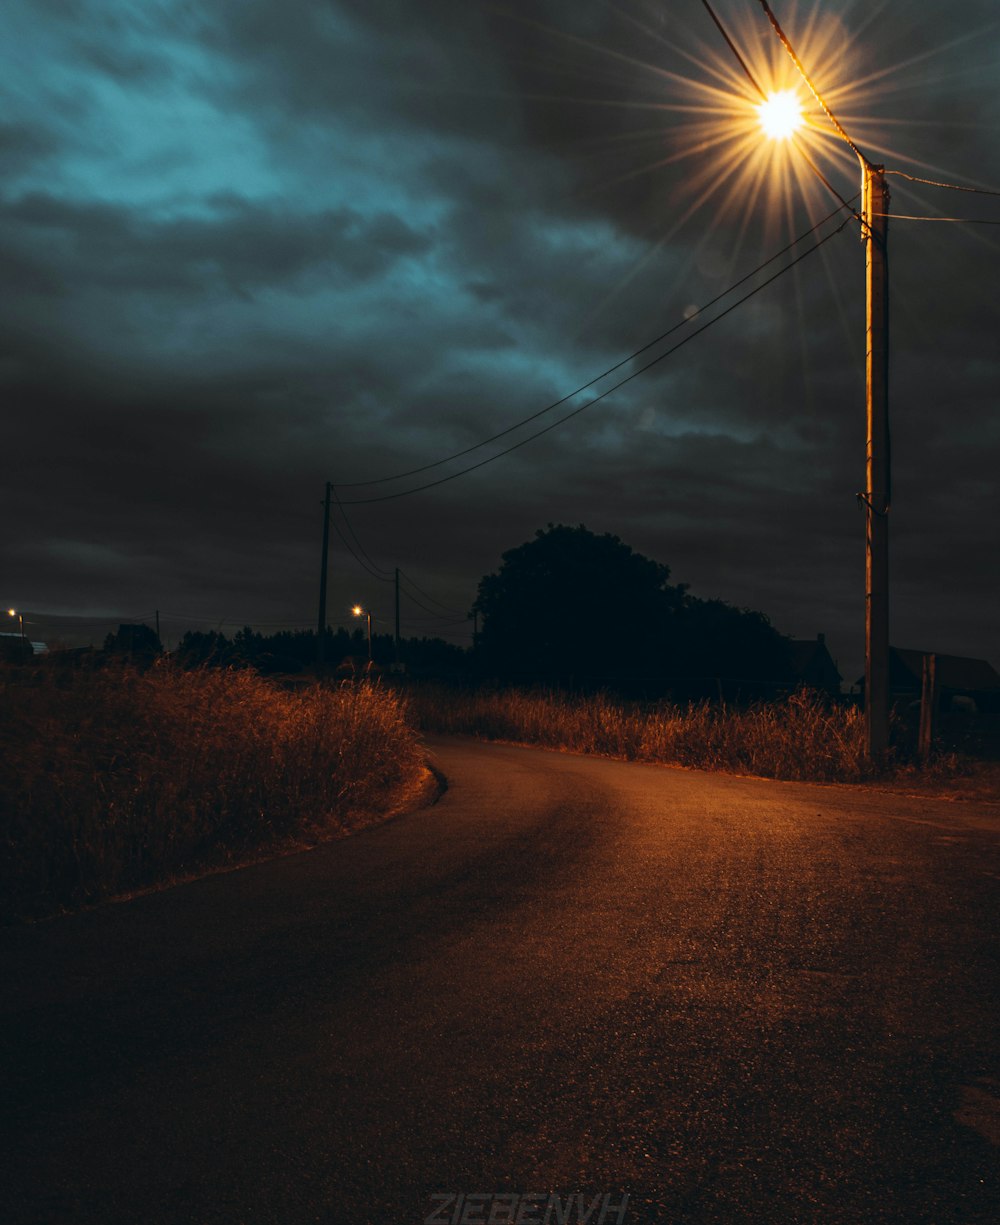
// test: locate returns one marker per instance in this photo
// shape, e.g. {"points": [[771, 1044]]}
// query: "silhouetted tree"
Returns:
{"points": [[435, 658], [716, 639], [198, 648], [137, 643], [571, 604]]}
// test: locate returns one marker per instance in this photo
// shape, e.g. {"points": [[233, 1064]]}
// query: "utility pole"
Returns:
{"points": [[397, 618], [874, 233], [928, 706], [321, 622], [878, 490], [158, 627]]}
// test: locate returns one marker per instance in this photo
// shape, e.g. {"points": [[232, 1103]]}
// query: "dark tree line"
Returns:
{"points": [[287, 651], [569, 608], [295, 650]]}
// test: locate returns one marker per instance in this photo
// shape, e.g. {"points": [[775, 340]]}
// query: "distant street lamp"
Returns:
{"points": [[364, 612], [12, 612]]}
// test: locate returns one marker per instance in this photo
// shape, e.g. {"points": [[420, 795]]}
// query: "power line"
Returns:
{"points": [[426, 607], [432, 621], [957, 220], [360, 556], [805, 77], [621, 383], [799, 147], [363, 558], [979, 191], [732, 47], [416, 586], [364, 566], [69, 621], [414, 592], [398, 476], [241, 621]]}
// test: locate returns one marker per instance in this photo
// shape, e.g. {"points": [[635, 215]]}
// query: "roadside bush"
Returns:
{"points": [[803, 737], [115, 779]]}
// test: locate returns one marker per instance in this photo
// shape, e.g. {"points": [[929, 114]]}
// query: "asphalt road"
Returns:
{"points": [[733, 999]]}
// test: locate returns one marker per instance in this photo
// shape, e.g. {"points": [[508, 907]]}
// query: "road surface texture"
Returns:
{"points": [[733, 999]]}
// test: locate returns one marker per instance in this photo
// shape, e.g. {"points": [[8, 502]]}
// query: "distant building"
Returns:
{"points": [[814, 665], [956, 676], [37, 648]]}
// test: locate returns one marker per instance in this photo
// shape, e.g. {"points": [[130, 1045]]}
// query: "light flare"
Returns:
{"points": [[780, 114]]}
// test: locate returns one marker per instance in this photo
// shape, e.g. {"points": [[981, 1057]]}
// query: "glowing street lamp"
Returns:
{"points": [[780, 114], [364, 612], [12, 612]]}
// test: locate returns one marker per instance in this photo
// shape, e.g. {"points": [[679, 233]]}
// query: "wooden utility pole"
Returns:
{"points": [[396, 641], [874, 232], [928, 705], [321, 621], [878, 492]]}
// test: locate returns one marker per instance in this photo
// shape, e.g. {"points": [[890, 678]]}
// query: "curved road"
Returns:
{"points": [[733, 999]]}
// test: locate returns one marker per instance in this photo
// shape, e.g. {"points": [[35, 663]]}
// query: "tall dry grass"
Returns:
{"points": [[114, 780], [802, 737]]}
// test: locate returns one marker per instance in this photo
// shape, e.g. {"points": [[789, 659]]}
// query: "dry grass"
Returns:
{"points": [[800, 738], [115, 780]]}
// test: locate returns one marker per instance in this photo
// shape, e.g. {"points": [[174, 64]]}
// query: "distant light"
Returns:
{"points": [[358, 610], [780, 115], [11, 612]]}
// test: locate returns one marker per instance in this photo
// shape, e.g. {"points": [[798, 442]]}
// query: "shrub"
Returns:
{"points": [[803, 737], [116, 779]]}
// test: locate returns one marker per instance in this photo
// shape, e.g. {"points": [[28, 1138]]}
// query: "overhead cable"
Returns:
{"points": [[979, 191], [838, 126], [799, 147], [956, 220], [398, 476], [405, 578], [621, 383]]}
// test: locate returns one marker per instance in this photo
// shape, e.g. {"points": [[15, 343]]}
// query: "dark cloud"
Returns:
{"points": [[252, 247], [241, 245]]}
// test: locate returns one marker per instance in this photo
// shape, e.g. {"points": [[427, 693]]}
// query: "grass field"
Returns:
{"points": [[802, 737], [114, 779]]}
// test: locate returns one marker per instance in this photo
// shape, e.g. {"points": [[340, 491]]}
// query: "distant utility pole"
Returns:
{"points": [[321, 621], [878, 491], [928, 705], [397, 618]]}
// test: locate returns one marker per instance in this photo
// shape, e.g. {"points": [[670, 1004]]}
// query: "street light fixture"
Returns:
{"points": [[12, 612], [364, 612], [780, 114]]}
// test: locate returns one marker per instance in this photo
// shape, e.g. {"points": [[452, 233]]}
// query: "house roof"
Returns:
{"points": [[806, 651], [953, 671], [803, 651]]}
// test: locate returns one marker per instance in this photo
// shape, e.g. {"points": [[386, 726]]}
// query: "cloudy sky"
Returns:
{"points": [[250, 247]]}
